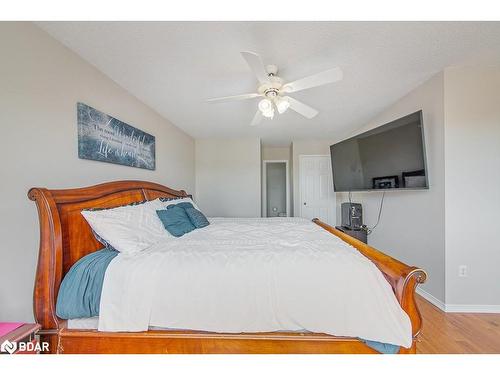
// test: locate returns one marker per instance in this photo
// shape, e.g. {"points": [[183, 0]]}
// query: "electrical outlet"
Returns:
{"points": [[462, 271]]}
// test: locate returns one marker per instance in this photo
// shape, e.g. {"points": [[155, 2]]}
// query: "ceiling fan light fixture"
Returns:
{"points": [[282, 105], [265, 105], [269, 113]]}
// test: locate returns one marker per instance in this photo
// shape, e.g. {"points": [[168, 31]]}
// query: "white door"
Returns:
{"points": [[317, 198]]}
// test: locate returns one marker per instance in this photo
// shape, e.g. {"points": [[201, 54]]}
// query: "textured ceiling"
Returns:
{"points": [[174, 66]]}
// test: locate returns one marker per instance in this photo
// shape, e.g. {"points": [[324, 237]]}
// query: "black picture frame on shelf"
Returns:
{"points": [[385, 182], [414, 179]]}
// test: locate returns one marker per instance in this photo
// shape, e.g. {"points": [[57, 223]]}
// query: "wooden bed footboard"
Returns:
{"points": [[66, 237], [403, 278]]}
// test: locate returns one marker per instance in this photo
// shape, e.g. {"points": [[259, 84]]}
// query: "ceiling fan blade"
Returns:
{"points": [[234, 97], [323, 78], [257, 119], [255, 63], [301, 108]]}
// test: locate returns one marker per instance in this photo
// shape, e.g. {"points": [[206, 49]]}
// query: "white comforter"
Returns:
{"points": [[253, 275]]}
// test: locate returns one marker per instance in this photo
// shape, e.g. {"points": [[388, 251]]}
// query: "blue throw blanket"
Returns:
{"points": [[381, 347], [80, 291]]}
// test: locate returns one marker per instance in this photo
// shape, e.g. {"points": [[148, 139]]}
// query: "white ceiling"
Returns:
{"points": [[174, 66]]}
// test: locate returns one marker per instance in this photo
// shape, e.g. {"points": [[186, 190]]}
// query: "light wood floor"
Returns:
{"points": [[447, 333]]}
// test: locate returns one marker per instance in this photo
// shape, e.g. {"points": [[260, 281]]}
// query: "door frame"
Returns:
{"points": [[264, 185], [299, 176]]}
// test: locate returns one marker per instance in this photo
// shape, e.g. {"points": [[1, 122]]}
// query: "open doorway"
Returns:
{"points": [[276, 199]]}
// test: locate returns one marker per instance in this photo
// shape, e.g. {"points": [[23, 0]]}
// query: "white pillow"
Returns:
{"points": [[168, 201], [129, 229]]}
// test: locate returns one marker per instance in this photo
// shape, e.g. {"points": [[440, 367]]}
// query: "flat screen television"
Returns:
{"points": [[389, 157]]}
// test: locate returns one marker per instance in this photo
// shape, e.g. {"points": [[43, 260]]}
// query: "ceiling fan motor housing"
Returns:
{"points": [[272, 88]]}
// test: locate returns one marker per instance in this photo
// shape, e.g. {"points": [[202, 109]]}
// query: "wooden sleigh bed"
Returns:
{"points": [[65, 237]]}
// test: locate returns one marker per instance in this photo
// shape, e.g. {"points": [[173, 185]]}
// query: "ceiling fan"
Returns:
{"points": [[273, 90]]}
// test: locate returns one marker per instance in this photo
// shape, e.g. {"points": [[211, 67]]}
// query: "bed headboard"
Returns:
{"points": [[65, 236]]}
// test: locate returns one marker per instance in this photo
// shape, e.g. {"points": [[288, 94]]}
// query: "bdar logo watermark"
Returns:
{"points": [[8, 347], [12, 347]]}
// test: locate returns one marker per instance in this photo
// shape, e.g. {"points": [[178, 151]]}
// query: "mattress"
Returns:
{"points": [[252, 275], [83, 323], [93, 323]]}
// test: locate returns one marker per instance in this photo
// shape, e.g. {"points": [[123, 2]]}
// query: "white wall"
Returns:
{"points": [[275, 153], [413, 222], [228, 177], [472, 149], [40, 83]]}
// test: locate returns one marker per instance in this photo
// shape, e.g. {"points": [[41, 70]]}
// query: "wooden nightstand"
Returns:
{"points": [[21, 339]]}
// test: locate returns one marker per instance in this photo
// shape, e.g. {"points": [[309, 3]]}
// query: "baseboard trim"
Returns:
{"points": [[429, 297], [453, 308], [484, 309]]}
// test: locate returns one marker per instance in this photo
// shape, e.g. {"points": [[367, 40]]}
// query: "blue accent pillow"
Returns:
{"points": [[80, 291], [182, 205], [197, 218], [175, 220]]}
